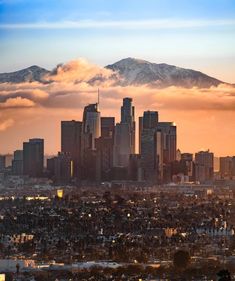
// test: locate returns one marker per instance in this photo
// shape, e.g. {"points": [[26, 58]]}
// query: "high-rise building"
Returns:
{"points": [[227, 167], [122, 145], [140, 132], [187, 159], [71, 143], [168, 130], [2, 163], [157, 146], [104, 149], [107, 127], [124, 140], [33, 154], [91, 123], [61, 168], [149, 120], [17, 163], [90, 132], [204, 166], [233, 167], [149, 149], [104, 158], [134, 169], [128, 117]]}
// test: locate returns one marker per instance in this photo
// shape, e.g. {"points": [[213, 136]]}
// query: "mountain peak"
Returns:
{"points": [[134, 71], [133, 60], [29, 74]]}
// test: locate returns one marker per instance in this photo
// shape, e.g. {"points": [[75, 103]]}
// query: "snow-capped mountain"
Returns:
{"points": [[126, 72], [30, 74], [138, 72]]}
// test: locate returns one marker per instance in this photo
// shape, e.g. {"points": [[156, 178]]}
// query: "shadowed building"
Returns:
{"points": [[168, 149], [122, 145], [128, 116], [204, 166], [149, 158], [71, 143], [17, 163], [2, 163], [104, 149], [61, 168], [33, 155]]}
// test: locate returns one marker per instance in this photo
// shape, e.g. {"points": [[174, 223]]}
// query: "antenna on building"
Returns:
{"points": [[98, 98]]}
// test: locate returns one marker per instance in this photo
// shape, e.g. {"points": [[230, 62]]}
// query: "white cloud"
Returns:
{"points": [[124, 24]]}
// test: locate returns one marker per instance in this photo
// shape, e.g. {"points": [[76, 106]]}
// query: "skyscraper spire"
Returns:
{"points": [[98, 98]]}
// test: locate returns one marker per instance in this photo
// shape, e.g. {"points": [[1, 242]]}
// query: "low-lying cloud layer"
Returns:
{"points": [[27, 106]]}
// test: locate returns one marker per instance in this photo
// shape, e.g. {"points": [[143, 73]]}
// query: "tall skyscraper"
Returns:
{"points": [[17, 163], [91, 123], [168, 149], [140, 132], [204, 166], [149, 157], [90, 132], [71, 142], [33, 155], [107, 127], [168, 130], [104, 149], [122, 145], [149, 120], [2, 163], [128, 116], [124, 140]]}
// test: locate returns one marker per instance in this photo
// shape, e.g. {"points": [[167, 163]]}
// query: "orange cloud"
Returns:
{"points": [[6, 124], [16, 102], [79, 71]]}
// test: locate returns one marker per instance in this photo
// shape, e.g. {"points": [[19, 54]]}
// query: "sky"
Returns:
{"points": [[197, 34]]}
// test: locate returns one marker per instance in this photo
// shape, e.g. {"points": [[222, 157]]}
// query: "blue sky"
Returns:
{"points": [[197, 34]]}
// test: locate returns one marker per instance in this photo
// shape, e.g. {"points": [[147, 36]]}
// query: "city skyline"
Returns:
{"points": [[117, 140], [53, 140]]}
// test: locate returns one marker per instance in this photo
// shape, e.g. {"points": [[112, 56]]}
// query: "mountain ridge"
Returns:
{"points": [[30, 74], [128, 72], [138, 72]]}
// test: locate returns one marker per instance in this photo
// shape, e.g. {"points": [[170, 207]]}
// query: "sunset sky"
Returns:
{"points": [[196, 34]]}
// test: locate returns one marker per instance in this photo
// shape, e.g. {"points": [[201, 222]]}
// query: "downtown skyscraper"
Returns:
{"points": [[33, 156], [91, 130], [124, 141], [71, 142]]}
